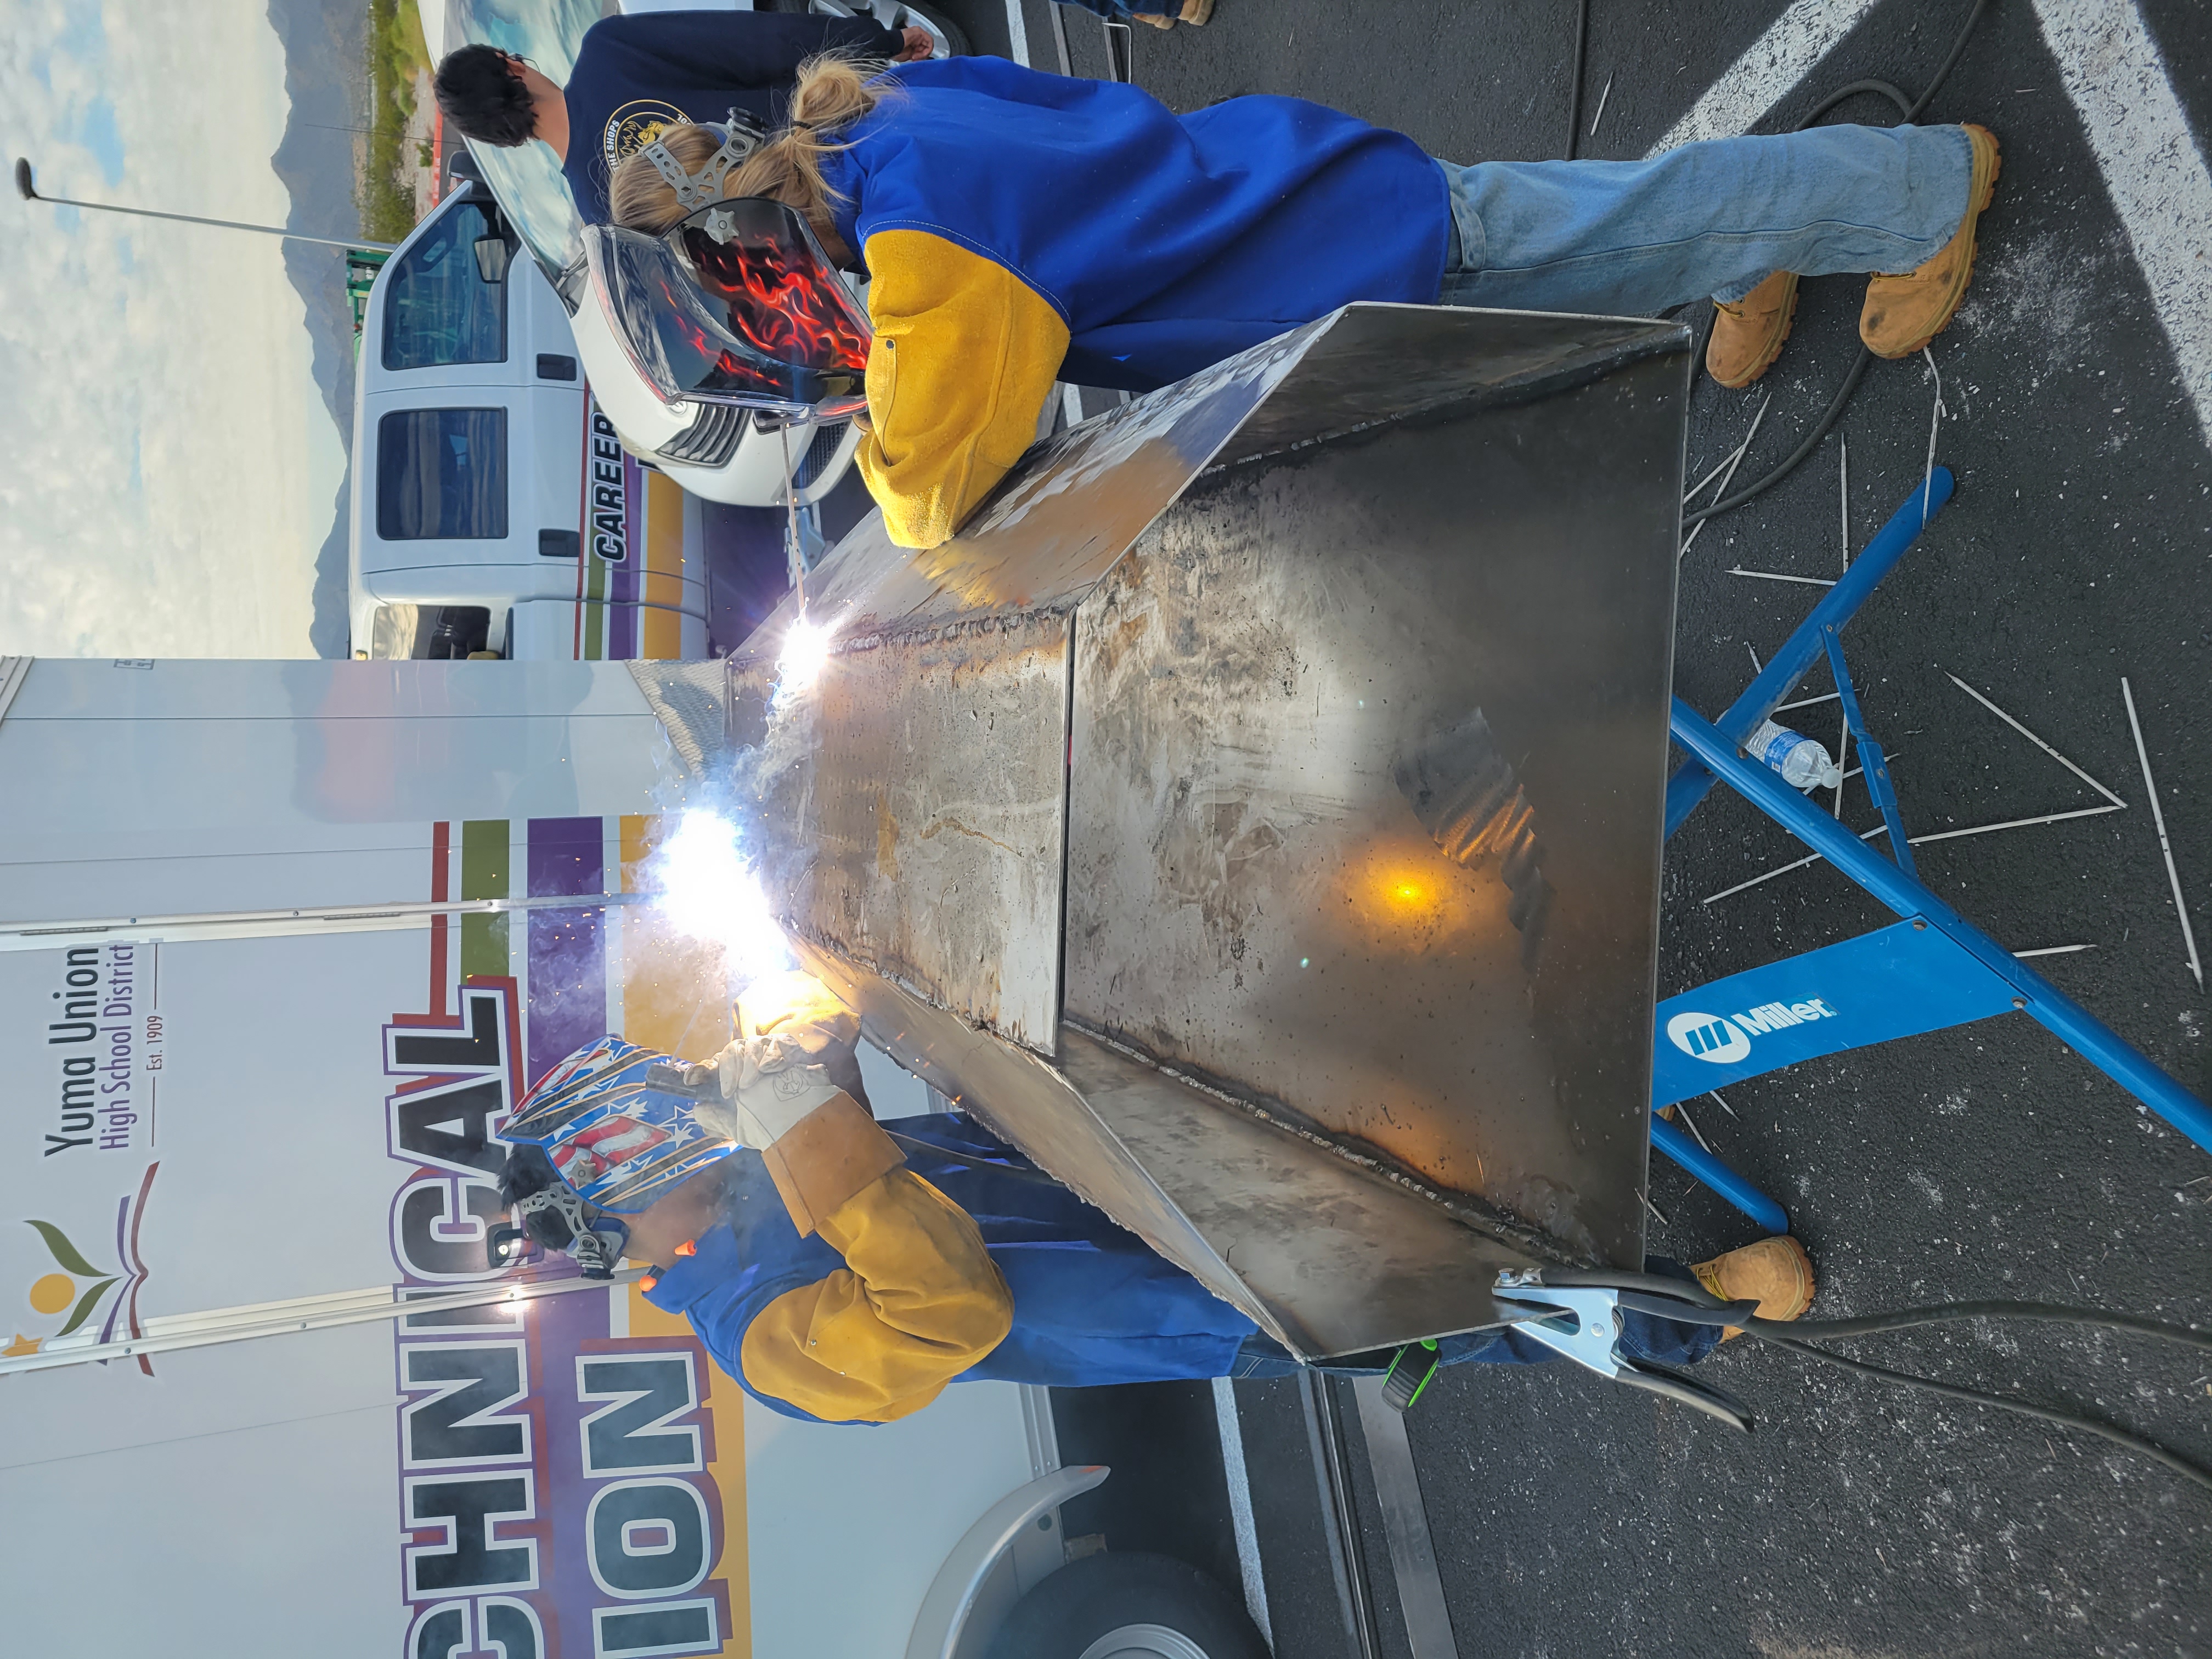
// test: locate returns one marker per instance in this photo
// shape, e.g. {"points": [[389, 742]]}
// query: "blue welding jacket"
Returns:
{"points": [[1164, 242], [1093, 1303]]}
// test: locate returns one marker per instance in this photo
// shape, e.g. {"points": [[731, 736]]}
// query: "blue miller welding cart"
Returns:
{"points": [[1931, 971]]}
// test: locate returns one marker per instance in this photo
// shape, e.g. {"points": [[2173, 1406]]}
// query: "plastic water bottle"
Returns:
{"points": [[1801, 760]]}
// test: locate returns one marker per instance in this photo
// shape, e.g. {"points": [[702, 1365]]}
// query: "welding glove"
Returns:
{"points": [[794, 1054]]}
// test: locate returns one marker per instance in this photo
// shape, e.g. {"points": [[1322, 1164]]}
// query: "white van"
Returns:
{"points": [[488, 515]]}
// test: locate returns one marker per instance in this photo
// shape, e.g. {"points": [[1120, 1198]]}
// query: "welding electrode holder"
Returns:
{"points": [[1583, 1323]]}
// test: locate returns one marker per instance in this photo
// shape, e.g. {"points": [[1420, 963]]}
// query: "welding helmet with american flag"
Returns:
{"points": [[624, 1126]]}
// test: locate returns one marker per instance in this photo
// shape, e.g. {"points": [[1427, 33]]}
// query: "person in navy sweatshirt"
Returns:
{"points": [[636, 77]]}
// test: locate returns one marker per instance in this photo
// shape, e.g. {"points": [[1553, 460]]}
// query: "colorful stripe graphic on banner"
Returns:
{"points": [[571, 1471]]}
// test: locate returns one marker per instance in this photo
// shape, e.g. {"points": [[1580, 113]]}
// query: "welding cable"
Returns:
{"points": [[2052, 1313], [2134, 1443], [1909, 111], [1692, 1304]]}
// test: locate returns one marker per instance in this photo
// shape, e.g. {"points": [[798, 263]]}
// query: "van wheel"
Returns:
{"points": [[1128, 1606]]}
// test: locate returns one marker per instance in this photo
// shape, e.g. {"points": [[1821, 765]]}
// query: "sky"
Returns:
{"points": [[168, 468]]}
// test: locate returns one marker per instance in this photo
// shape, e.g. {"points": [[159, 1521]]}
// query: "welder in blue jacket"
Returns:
{"points": [[1020, 227], [846, 1271]]}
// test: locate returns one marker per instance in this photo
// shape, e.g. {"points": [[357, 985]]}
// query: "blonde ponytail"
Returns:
{"points": [[832, 92]]}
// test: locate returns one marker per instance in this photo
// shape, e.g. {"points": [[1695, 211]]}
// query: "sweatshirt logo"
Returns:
{"points": [[1725, 1039], [635, 125]]}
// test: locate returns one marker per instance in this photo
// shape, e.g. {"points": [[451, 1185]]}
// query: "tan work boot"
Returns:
{"points": [[1776, 1273], [1194, 12], [1748, 335], [1902, 314]]}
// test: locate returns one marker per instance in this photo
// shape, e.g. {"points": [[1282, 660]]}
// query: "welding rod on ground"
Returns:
{"points": [[1935, 425], [1918, 840], [1777, 576], [2158, 817], [1680, 1112], [1843, 492], [2032, 739], [1734, 461]]}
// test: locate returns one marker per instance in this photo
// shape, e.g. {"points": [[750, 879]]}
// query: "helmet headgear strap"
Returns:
{"points": [[593, 1250], [741, 137]]}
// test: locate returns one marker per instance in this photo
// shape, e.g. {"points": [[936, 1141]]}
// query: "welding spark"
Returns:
{"points": [[805, 653], [708, 891]]}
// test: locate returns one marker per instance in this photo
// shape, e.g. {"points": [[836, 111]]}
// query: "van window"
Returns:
{"points": [[438, 309], [428, 633], [441, 474]]}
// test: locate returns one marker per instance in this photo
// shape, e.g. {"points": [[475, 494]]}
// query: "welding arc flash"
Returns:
{"points": [[805, 651]]}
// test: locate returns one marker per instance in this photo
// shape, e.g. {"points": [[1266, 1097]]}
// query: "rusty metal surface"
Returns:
{"points": [[1344, 1255], [913, 812], [1253, 891], [1330, 1255], [1309, 719], [1032, 1104], [911, 809]]}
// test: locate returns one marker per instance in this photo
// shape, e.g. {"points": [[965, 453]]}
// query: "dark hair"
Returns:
{"points": [[480, 94]]}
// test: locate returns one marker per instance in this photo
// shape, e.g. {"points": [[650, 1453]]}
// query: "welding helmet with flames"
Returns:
{"points": [[737, 304], [608, 1132]]}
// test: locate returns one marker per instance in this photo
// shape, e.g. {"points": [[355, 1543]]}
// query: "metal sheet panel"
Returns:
{"points": [[1354, 747], [1301, 659], [911, 809], [1031, 1104], [912, 814]]}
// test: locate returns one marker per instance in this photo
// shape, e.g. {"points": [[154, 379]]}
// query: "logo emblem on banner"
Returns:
{"points": [[1708, 1037], [1725, 1039]]}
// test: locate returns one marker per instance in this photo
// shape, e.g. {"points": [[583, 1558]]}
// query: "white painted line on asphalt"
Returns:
{"points": [[1776, 62], [2154, 172], [1018, 32], [1240, 1496]]}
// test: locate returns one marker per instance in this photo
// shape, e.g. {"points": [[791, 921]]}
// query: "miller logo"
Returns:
{"points": [[1725, 1039], [636, 125]]}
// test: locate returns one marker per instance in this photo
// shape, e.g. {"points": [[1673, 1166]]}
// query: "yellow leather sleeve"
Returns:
{"points": [[918, 1302], [964, 357]]}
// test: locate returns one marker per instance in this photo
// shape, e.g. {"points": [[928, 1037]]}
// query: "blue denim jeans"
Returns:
{"points": [[1633, 238], [1643, 1336]]}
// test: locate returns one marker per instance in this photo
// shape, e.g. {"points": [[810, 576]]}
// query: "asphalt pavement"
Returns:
{"points": [[1571, 1517]]}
